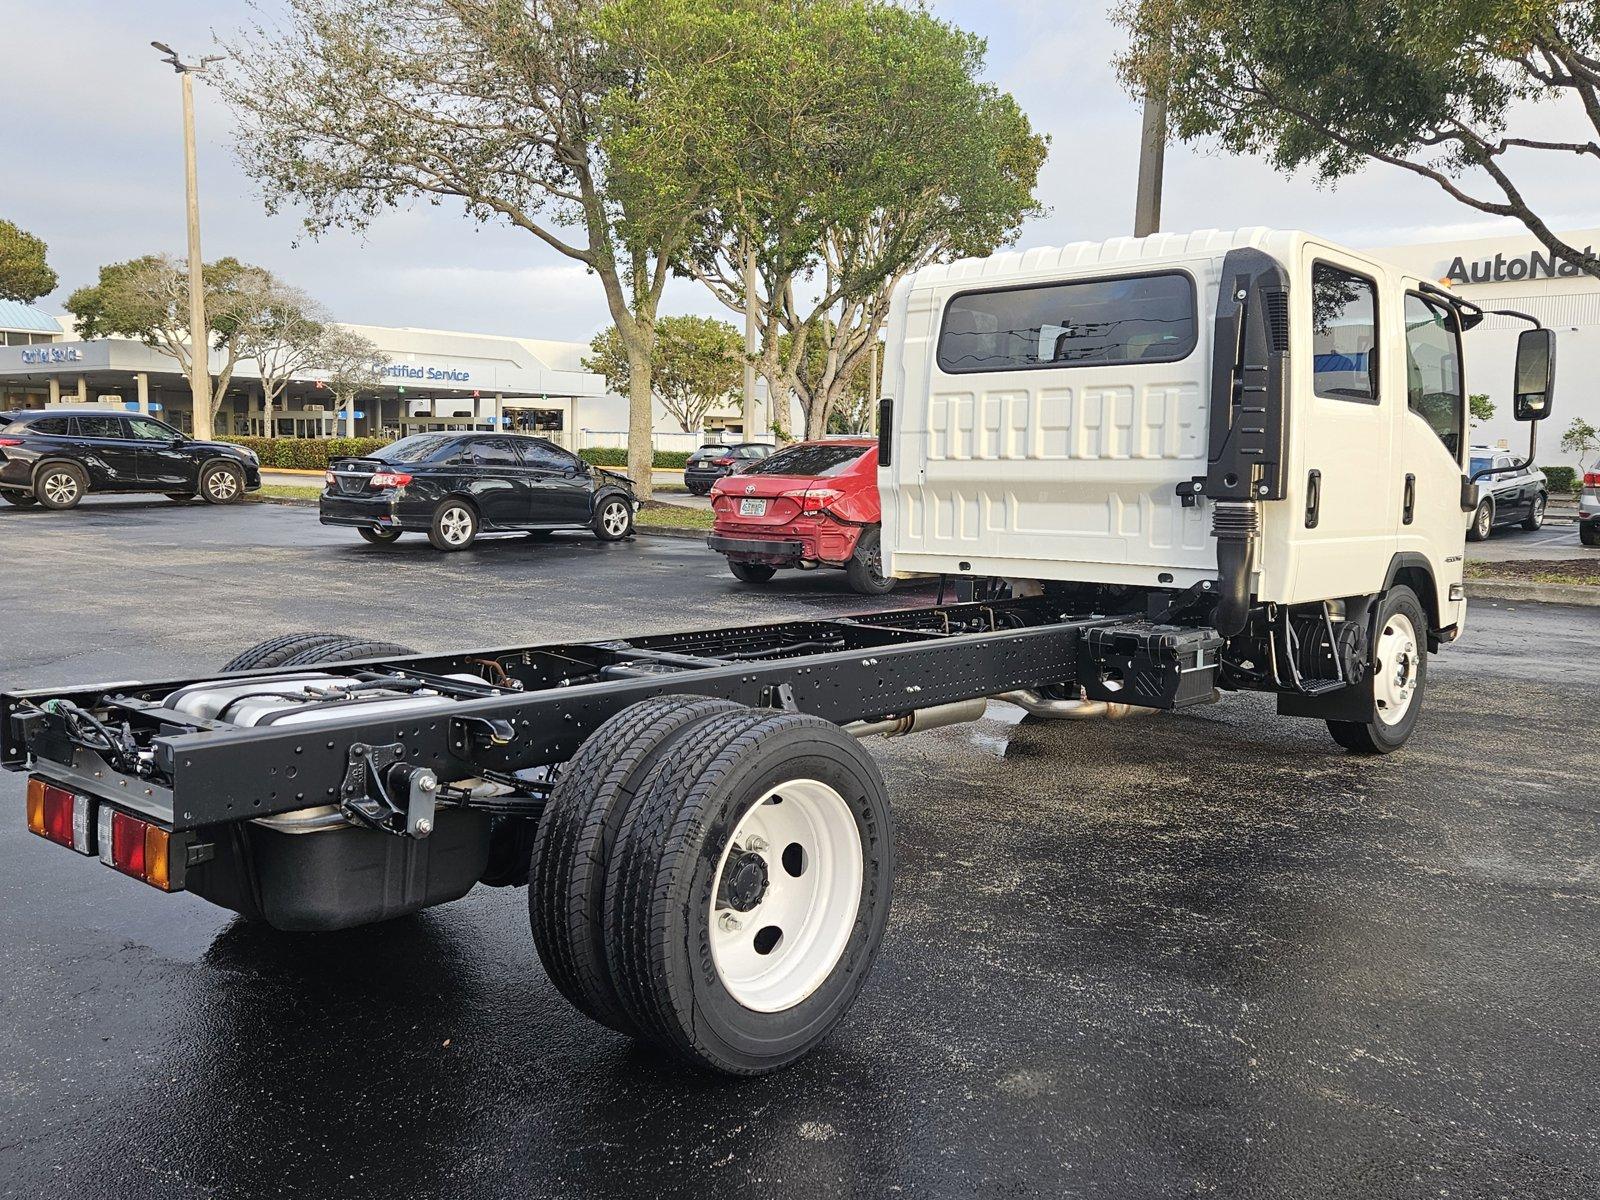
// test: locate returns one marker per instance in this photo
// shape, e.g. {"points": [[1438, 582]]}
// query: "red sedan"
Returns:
{"points": [[814, 504]]}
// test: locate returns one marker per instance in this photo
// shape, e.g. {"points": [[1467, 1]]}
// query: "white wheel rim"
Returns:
{"points": [[222, 485], [1485, 517], [1397, 662], [802, 824], [61, 488], [456, 525], [1538, 510], [614, 517]]}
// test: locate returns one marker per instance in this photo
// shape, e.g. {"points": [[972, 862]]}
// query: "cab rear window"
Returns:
{"points": [[419, 447], [1082, 323]]}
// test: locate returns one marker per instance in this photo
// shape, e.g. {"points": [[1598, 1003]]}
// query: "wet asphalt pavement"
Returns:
{"points": [[1206, 954]]}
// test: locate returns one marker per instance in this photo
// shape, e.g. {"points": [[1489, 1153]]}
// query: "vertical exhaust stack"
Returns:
{"points": [[1249, 420]]}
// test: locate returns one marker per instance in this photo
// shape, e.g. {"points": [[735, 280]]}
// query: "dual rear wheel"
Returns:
{"points": [[714, 879]]}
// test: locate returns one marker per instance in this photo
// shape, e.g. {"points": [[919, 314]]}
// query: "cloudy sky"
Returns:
{"points": [[93, 164]]}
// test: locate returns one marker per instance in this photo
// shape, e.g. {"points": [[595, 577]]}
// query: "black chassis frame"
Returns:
{"points": [[548, 699]]}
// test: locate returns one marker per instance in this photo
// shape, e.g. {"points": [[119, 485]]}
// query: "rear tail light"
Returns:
{"points": [[10, 441], [328, 479], [815, 500], [1590, 478], [136, 848], [389, 479], [722, 462], [60, 816]]}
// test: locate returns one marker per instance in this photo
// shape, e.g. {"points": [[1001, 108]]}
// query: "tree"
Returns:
{"points": [[24, 273], [511, 108], [1480, 407], [148, 298], [284, 339], [698, 365], [1433, 87], [848, 142], [353, 365], [1581, 438]]}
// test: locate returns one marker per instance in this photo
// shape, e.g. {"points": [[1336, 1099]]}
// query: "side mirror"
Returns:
{"points": [[1533, 387]]}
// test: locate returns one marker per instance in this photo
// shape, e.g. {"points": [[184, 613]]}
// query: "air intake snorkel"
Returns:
{"points": [[1249, 425]]}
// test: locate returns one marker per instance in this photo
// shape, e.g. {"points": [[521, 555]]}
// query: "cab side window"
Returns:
{"points": [[1433, 370], [1344, 335]]}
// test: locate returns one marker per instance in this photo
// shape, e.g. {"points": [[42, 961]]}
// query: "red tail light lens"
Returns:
{"points": [[10, 441], [815, 500], [389, 479], [136, 848], [60, 816], [723, 462], [1591, 479]]}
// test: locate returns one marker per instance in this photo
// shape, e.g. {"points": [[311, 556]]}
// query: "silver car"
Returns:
{"points": [[1506, 498]]}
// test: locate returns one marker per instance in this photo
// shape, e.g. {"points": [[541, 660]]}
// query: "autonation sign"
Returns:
{"points": [[1501, 269], [430, 374], [52, 354]]}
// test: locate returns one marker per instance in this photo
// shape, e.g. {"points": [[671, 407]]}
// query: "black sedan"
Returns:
{"points": [[454, 486], [55, 457], [714, 460]]}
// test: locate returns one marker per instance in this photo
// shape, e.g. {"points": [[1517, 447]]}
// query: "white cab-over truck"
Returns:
{"points": [[1156, 470]]}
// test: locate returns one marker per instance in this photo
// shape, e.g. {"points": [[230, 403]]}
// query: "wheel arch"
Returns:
{"points": [[1413, 570]]}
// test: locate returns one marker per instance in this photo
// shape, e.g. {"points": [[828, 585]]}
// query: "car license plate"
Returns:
{"points": [[752, 508]]}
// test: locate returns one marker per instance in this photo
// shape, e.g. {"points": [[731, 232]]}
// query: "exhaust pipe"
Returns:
{"points": [[937, 717], [1039, 705]]}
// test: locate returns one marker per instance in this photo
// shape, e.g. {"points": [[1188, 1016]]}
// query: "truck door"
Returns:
{"points": [[1432, 441], [1347, 434]]}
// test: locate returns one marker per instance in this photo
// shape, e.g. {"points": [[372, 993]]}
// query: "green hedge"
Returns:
{"points": [[1563, 480], [307, 454], [609, 456]]}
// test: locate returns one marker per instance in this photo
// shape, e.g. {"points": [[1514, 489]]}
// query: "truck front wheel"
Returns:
{"points": [[1398, 678], [749, 890]]}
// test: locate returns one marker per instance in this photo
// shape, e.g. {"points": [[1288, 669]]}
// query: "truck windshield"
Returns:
{"points": [[813, 462], [419, 447]]}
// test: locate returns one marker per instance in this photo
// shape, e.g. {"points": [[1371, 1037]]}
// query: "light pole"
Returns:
{"points": [[199, 336]]}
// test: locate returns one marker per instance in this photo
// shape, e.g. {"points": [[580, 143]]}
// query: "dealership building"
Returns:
{"points": [[1518, 273], [433, 380]]}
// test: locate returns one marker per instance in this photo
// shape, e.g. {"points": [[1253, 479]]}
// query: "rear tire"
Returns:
{"points": [[1398, 678], [748, 572], [740, 956], [866, 566], [454, 526], [288, 650], [1535, 518], [1482, 522], [60, 486], [379, 537], [573, 846], [20, 499], [222, 484]]}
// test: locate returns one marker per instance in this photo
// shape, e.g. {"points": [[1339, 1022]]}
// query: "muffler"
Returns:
{"points": [[936, 717]]}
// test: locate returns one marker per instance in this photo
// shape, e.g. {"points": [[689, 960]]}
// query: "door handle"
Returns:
{"points": [[1410, 509], [1313, 498]]}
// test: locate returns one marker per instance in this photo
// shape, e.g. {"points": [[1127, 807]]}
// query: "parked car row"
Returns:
{"points": [[811, 505]]}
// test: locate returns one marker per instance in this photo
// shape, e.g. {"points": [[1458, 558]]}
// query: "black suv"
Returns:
{"points": [[453, 486], [712, 461], [56, 456]]}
